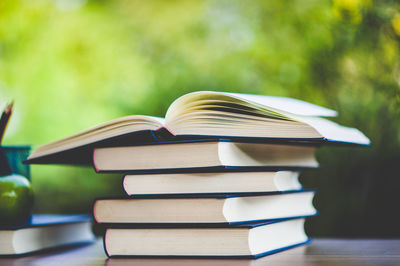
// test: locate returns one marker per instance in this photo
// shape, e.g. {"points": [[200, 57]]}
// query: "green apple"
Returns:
{"points": [[16, 200]]}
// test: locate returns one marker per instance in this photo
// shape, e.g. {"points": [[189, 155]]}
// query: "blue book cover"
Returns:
{"points": [[46, 232], [83, 155], [41, 220]]}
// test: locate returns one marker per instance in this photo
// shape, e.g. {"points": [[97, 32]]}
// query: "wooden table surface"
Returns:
{"points": [[319, 252]]}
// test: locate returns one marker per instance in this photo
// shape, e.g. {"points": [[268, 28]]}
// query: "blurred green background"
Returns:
{"points": [[71, 64]]}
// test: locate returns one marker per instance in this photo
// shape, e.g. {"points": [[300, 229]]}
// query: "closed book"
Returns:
{"points": [[203, 156], [246, 241], [215, 210], [46, 232], [210, 183], [208, 114]]}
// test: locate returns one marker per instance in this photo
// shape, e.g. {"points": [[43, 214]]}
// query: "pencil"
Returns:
{"points": [[5, 116]]}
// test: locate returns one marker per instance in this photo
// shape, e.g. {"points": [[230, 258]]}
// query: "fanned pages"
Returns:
{"points": [[237, 115], [207, 114]]}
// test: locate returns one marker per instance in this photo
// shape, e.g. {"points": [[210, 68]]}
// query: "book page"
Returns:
{"points": [[160, 120], [286, 104], [104, 131], [335, 132], [272, 106]]}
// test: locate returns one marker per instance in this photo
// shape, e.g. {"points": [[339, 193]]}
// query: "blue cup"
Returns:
{"points": [[15, 155], [11, 170]]}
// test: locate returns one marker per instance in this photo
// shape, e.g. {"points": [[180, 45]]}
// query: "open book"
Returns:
{"points": [[207, 114]]}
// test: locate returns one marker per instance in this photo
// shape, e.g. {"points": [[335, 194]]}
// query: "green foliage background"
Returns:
{"points": [[72, 64]]}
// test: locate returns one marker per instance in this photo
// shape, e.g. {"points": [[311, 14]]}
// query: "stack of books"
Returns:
{"points": [[235, 208], [217, 177]]}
